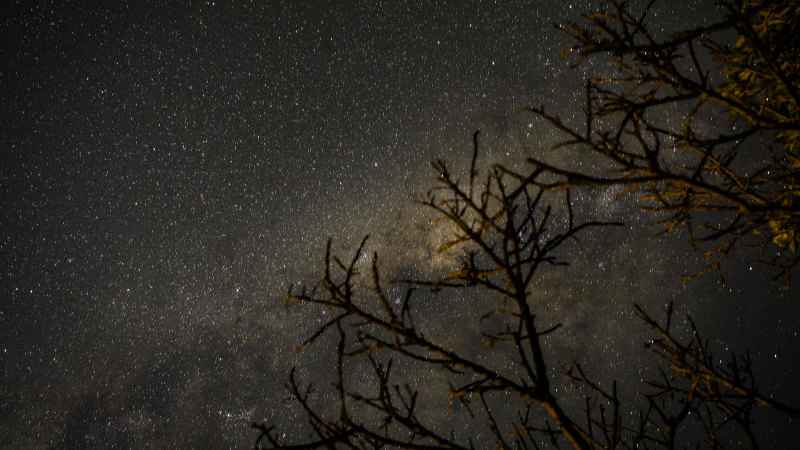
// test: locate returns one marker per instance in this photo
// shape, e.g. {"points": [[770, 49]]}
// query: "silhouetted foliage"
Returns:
{"points": [[737, 185], [510, 226]]}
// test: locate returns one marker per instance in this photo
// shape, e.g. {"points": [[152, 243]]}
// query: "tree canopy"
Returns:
{"points": [[733, 185]]}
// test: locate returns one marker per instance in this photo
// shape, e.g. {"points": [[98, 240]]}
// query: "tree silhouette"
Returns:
{"points": [[732, 185], [510, 226], [507, 230]]}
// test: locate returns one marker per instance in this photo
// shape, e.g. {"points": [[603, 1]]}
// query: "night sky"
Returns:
{"points": [[167, 171]]}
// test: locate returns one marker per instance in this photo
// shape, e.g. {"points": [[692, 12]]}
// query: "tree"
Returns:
{"points": [[510, 226], [507, 230], [737, 185]]}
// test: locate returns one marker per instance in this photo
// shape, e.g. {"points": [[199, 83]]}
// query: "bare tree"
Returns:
{"points": [[507, 230], [732, 186]]}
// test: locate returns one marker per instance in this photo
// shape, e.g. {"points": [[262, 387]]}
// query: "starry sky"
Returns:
{"points": [[169, 169]]}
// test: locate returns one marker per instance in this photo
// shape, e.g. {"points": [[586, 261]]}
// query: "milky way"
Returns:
{"points": [[169, 170]]}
